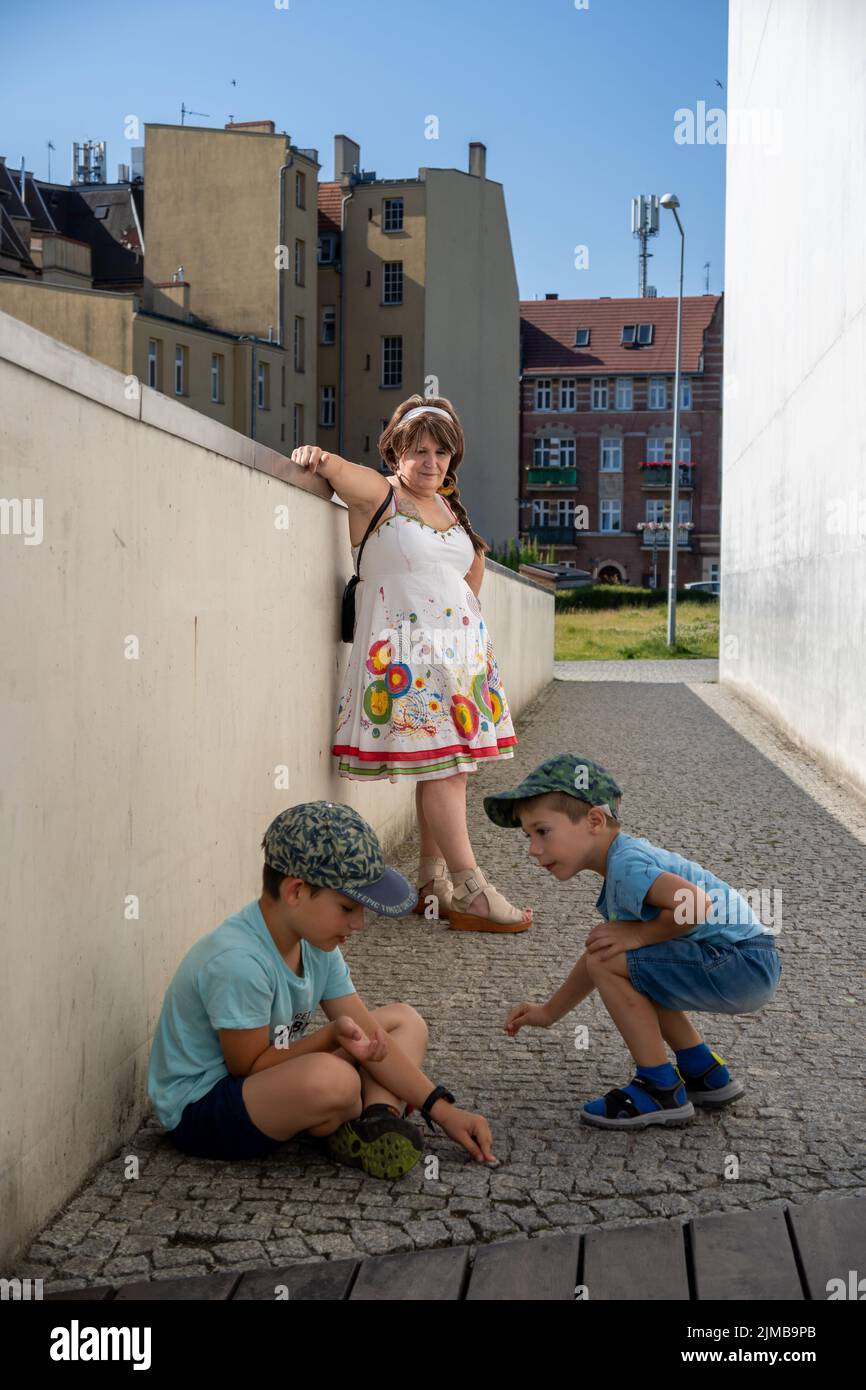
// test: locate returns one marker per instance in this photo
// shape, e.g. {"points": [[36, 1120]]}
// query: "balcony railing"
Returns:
{"points": [[552, 477], [659, 475], [552, 535], [663, 538]]}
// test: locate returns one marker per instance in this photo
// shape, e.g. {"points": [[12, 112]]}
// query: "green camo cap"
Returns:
{"points": [[567, 772], [332, 846]]}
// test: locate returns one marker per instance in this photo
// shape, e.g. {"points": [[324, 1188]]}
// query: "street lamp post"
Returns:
{"points": [[672, 202]]}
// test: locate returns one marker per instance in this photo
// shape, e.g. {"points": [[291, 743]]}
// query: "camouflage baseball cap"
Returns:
{"points": [[567, 772], [332, 846]]}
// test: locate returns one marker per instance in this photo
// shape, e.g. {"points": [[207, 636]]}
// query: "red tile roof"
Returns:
{"points": [[547, 334], [329, 198]]}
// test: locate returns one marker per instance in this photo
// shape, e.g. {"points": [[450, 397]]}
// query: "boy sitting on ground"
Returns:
{"points": [[675, 937], [233, 1072]]}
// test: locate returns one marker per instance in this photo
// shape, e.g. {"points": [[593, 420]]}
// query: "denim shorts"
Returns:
{"points": [[217, 1125], [723, 978]]}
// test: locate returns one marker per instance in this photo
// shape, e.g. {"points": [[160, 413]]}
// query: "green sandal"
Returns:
{"points": [[383, 1144]]}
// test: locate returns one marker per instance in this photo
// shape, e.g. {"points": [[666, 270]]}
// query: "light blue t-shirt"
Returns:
{"points": [[232, 978], [632, 867]]}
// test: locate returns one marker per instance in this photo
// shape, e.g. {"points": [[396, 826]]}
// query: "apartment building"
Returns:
{"points": [[418, 293], [203, 287], [597, 387]]}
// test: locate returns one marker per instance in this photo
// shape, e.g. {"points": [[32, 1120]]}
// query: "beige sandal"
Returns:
{"points": [[436, 870], [467, 884]]}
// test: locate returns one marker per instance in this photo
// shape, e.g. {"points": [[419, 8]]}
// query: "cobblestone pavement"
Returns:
{"points": [[701, 774]]}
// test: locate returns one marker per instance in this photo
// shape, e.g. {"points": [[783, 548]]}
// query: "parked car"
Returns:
{"points": [[704, 586]]}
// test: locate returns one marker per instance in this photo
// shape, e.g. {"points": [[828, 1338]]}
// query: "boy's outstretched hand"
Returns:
{"points": [[354, 1040], [527, 1015], [470, 1130]]}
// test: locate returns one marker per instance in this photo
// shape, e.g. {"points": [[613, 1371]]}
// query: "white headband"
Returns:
{"points": [[424, 410]]}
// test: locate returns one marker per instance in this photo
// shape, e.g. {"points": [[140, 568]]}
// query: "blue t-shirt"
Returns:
{"points": [[632, 867], [233, 978]]}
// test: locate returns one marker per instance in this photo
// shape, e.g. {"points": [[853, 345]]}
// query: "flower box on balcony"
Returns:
{"points": [[659, 474]]}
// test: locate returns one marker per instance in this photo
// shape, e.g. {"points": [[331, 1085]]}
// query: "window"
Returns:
{"points": [[326, 248], [685, 393], [658, 511], [660, 448], [611, 455], [283, 396], [581, 337], [297, 426], [329, 324], [599, 393], [300, 256], [392, 214], [181, 370], [637, 334], [541, 453], [217, 376], [624, 393], [101, 212], [328, 404], [392, 282], [154, 364], [392, 362], [658, 393], [300, 190], [553, 513], [611, 514], [298, 345], [568, 395], [263, 386], [543, 394], [567, 455]]}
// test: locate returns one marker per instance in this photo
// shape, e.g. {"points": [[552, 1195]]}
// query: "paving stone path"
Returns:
{"points": [[701, 774]]}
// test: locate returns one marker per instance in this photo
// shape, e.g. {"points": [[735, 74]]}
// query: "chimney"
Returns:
{"points": [[265, 127], [347, 158], [551, 296], [477, 158]]}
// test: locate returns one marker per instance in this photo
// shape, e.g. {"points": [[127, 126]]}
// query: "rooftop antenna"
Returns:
{"points": [[185, 111], [644, 224], [50, 148], [707, 277]]}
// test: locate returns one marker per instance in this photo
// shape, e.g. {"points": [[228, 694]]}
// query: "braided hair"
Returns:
{"points": [[397, 439]]}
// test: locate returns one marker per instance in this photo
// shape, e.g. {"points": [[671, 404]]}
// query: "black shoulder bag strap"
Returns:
{"points": [[385, 503]]}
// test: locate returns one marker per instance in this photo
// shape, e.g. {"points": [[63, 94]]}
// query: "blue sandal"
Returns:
{"points": [[700, 1092], [621, 1111]]}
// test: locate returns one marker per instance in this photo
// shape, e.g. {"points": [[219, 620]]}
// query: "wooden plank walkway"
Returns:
{"points": [[769, 1254]]}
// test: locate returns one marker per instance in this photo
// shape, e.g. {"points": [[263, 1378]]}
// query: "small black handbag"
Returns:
{"points": [[347, 613]]}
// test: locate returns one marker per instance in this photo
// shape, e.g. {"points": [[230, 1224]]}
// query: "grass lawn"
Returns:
{"points": [[608, 634]]}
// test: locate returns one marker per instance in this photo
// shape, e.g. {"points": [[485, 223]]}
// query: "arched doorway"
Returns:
{"points": [[610, 573]]}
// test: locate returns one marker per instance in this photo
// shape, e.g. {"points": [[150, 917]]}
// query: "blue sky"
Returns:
{"points": [[576, 106]]}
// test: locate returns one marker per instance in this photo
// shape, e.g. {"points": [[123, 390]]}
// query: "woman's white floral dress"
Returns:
{"points": [[422, 695]]}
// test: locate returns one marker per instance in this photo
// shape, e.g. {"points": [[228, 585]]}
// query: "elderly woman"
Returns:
{"points": [[422, 695]]}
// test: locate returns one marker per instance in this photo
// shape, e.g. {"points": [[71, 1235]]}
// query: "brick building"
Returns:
{"points": [[596, 392]]}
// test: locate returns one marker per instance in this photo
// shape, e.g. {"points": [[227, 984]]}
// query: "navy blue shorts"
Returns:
{"points": [[718, 979], [217, 1125]]}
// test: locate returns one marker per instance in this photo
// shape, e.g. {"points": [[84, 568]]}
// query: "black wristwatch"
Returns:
{"points": [[439, 1093]]}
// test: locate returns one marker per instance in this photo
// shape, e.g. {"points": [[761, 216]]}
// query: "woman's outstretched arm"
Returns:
{"points": [[355, 483]]}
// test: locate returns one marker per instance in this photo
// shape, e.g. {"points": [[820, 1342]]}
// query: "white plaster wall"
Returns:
{"points": [[152, 777], [794, 455]]}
